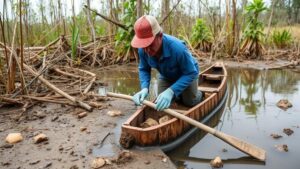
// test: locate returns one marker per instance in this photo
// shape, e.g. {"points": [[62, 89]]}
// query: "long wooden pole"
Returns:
{"points": [[243, 146]]}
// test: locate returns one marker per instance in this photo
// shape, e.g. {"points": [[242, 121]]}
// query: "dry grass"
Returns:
{"points": [[295, 30]]}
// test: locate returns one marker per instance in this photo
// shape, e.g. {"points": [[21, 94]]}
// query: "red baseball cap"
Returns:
{"points": [[145, 28]]}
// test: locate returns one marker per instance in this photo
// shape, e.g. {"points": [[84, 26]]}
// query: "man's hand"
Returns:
{"points": [[139, 97], [163, 100]]}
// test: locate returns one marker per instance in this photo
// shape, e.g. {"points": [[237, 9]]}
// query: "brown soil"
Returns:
{"points": [[68, 145]]}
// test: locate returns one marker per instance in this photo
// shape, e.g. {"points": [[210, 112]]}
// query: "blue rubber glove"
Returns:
{"points": [[163, 100], [139, 97]]}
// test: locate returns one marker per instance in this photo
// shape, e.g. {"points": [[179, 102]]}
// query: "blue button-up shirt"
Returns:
{"points": [[176, 64]]}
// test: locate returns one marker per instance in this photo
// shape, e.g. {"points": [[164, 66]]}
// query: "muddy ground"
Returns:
{"points": [[72, 141], [68, 146]]}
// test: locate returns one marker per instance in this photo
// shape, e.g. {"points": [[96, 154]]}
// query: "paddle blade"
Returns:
{"points": [[243, 146]]}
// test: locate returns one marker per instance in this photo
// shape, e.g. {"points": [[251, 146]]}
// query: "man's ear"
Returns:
{"points": [[160, 34]]}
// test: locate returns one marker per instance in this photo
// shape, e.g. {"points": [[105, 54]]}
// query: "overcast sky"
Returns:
{"points": [[98, 5]]}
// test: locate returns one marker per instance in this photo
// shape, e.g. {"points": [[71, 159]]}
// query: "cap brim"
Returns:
{"points": [[141, 43]]}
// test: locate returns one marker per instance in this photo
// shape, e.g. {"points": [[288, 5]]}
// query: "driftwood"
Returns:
{"points": [[10, 100], [49, 100], [47, 83]]}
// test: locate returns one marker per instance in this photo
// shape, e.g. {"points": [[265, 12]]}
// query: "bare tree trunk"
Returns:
{"points": [[111, 25], [8, 29], [73, 12], [199, 9], [139, 8], [60, 22], [274, 2], [21, 43], [93, 36], [116, 11], [12, 65], [234, 28], [165, 9], [228, 29]]}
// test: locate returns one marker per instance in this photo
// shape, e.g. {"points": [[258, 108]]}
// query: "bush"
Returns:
{"points": [[281, 39], [201, 36]]}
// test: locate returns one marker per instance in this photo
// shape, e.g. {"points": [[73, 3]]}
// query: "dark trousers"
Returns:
{"points": [[189, 97]]}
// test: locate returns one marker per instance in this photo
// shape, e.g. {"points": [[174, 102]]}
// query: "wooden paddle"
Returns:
{"points": [[243, 146]]}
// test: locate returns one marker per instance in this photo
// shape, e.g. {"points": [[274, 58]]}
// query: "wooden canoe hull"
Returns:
{"points": [[212, 81]]}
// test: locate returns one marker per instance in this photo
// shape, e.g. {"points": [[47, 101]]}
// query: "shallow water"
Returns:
{"points": [[250, 114]]}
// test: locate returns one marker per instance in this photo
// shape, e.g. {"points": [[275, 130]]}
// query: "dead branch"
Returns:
{"points": [[49, 100], [166, 17], [108, 19], [48, 84]]}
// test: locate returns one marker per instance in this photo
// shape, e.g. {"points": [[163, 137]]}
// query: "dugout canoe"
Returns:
{"points": [[173, 132]]}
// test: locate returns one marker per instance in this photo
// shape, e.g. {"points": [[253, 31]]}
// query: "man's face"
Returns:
{"points": [[154, 48]]}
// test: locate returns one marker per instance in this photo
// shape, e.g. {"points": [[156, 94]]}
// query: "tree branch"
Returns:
{"points": [[108, 19], [165, 18]]}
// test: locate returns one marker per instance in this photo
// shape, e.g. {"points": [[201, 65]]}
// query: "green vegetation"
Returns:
{"points": [[253, 33], [201, 36], [124, 37], [281, 39], [75, 33]]}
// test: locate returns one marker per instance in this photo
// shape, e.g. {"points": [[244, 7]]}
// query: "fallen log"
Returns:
{"points": [[49, 100]]}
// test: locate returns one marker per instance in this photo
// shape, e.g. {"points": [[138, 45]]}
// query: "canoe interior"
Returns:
{"points": [[212, 83]]}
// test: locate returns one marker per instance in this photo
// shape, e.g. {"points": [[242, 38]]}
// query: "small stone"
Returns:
{"points": [[216, 163], [7, 146], [48, 165], [283, 147], [124, 156], [34, 162], [14, 138], [95, 104], [82, 114], [224, 150], [83, 128], [276, 136], [5, 163], [40, 114], [74, 167], [164, 119], [164, 160], [98, 163], [288, 131], [147, 162], [55, 118], [40, 138], [114, 113], [107, 161], [284, 104]]}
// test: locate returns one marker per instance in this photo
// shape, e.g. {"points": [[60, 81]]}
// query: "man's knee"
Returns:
{"points": [[190, 102]]}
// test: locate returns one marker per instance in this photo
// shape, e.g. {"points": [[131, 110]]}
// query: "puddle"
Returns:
{"points": [[105, 151]]}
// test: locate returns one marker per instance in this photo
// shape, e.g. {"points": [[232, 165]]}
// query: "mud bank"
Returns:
{"points": [[73, 141]]}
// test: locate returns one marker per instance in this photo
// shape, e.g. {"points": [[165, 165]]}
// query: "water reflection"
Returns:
{"points": [[127, 81], [248, 87], [250, 114]]}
